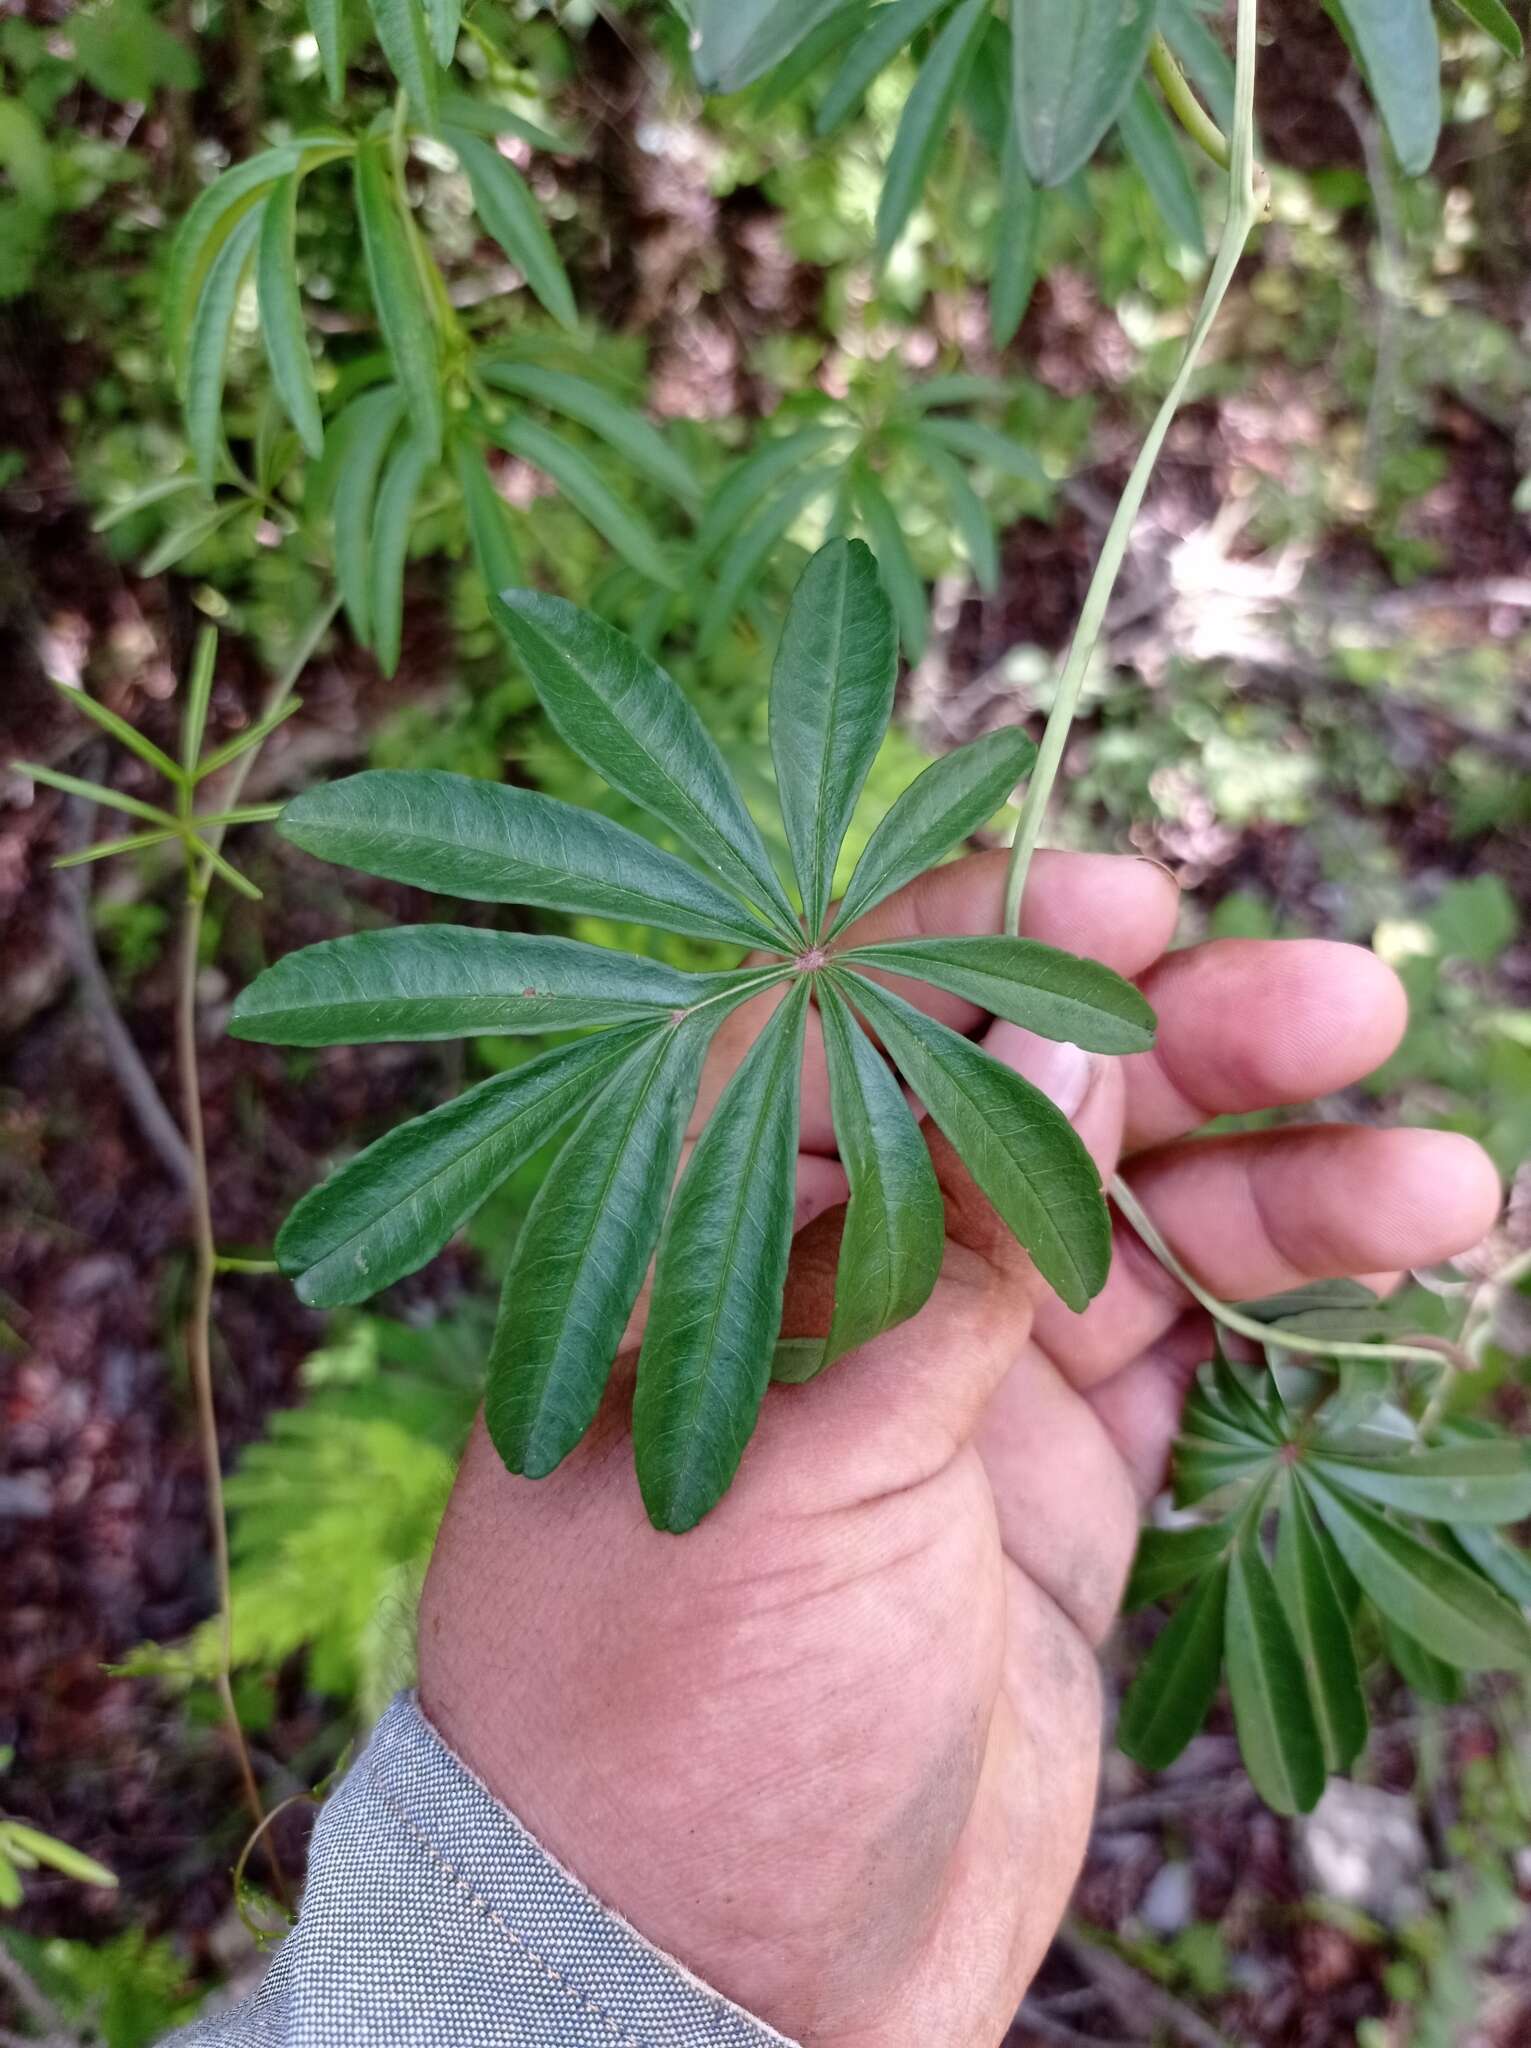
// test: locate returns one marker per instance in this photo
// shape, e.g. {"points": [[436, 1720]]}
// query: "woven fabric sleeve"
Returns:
{"points": [[432, 1919]]}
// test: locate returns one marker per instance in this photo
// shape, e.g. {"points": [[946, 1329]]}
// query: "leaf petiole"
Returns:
{"points": [[1271, 1336], [1184, 105]]}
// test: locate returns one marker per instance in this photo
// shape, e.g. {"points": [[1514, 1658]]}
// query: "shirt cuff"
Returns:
{"points": [[432, 1919]]}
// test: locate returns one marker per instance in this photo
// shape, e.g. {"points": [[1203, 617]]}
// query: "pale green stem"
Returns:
{"points": [[1244, 209], [1427, 1352], [1185, 106]]}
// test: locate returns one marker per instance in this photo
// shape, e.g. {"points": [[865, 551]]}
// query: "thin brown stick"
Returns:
{"points": [[200, 1350], [199, 1338]]}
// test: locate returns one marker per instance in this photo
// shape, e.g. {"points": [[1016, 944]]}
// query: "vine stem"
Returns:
{"points": [[1185, 106], [199, 872], [1245, 207], [1424, 1353]]}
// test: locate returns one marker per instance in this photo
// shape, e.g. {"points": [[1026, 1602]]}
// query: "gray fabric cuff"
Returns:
{"points": [[432, 1919]]}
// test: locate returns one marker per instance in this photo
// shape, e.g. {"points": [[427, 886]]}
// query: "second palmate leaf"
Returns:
{"points": [[622, 1097]]}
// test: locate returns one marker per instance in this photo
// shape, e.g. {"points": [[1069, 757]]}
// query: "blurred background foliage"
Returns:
{"points": [[1311, 704]]}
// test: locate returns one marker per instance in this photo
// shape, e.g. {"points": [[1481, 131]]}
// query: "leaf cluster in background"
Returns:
{"points": [[1042, 85], [1327, 1532], [624, 1096]]}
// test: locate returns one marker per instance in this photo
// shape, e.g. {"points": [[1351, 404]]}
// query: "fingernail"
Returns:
{"points": [[1062, 1072], [1163, 866]]}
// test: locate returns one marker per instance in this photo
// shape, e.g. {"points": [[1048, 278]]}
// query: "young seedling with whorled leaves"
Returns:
{"points": [[1386, 1541], [626, 1093]]}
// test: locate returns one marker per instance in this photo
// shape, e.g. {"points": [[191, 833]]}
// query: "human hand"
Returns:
{"points": [[835, 1749]]}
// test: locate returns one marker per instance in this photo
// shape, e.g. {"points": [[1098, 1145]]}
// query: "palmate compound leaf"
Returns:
{"points": [[712, 1334], [706, 1357], [395, 1205], [491, 842]]}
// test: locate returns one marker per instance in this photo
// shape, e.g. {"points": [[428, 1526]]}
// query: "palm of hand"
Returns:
{"points": [[836, 1749]]}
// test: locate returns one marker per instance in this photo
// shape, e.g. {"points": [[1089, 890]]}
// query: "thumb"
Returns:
{"points": [[904, 1404]]}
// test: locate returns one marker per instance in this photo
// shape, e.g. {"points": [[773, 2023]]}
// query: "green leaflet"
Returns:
{"points": [[625, 717], [281, 313], [1423, 1591], [328, 21], [999, 452], [1017, 222], [1075, 64], [209, 345], [895, 1224], [1422, 1672], [211, 219], [889, 31], [494, 843], [722, 1269], [1149, 138], [1495, 20], [737, 41], [1504, 1563], [186, 538], [944, 805], [831, 699], [1307, 1574], [1202, 57], [398, 292], [588, 491], [1058, 995], [396, 1204], [1400, 53], [901, 579], [832, 34], [487, 117], [969, 514], [1019, 1148], [584, 1249], [1173, 1692], [360, 439], [957, 387], [505, 205], [401, 29], [1458, 1483], [750, 482], [489, 524], [1168, 1559], [396, 495], [752, 546], [625, 430], [1278, 1734], [29, 1846], [450, 981], [927, 118], [445, 20]]}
